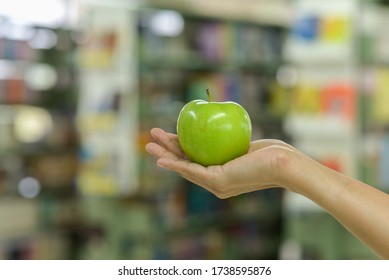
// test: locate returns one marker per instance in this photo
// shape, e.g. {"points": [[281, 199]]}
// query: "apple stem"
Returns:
{"points": [[209, 95]]}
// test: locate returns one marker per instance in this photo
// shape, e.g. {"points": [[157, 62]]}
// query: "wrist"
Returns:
{"points": [[305, 176], [298, 172], [288, 166]]}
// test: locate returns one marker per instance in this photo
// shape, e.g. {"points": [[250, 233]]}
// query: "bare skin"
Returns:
{"points": [[362, 209]]}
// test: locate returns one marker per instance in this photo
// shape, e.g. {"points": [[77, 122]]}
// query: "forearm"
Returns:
{"points": [[362, 209]]}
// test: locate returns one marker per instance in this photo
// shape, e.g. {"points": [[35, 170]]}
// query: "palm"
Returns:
{"points": [[252, 171]]}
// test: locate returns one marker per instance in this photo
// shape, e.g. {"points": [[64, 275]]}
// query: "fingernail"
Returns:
{"points": [[160, 164], [147, 148]]}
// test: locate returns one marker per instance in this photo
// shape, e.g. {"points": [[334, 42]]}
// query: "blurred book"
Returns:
{"points": [[383, 164], [381, 96], [339, 99]]}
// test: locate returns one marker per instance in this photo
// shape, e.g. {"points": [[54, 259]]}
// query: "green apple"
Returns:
{"points": [[213, 133]]}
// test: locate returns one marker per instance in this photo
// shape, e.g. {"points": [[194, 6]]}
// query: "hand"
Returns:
{"points": [[259, 169]]}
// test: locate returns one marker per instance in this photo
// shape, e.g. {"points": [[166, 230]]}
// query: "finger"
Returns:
{"points": [[184, 167], [167, 140], [158, 151], [264, 143], [210, 178], [193, 172]]}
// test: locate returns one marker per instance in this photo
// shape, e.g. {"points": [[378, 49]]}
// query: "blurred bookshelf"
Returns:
{"points": [[138, 67], [98, 89], [38, 142], [300, 84], [336, 114], [237, 60], [82, 187], [373, 64]]}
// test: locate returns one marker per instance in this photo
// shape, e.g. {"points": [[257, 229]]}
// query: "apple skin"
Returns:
{"points": [[213, 133]]}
